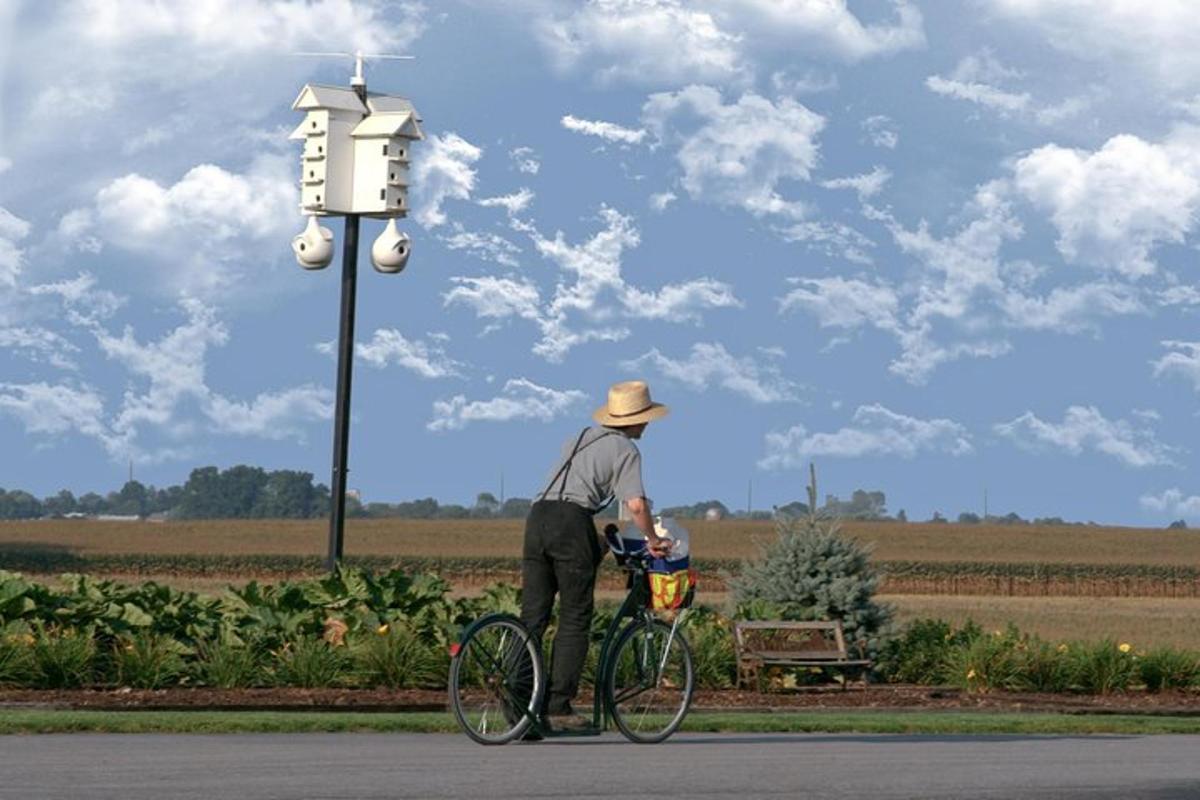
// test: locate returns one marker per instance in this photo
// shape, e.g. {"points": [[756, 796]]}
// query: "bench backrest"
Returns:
{"points": [[798, 640]]}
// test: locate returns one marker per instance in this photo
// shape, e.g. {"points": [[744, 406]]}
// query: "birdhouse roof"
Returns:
{"points": [[387, 124], [316, 95]]}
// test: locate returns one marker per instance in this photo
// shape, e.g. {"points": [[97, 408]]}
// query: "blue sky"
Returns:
{"points": [[930, 247]]}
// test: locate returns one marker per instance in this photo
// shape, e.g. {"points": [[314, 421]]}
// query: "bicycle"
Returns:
{"points": [[644, 678]]}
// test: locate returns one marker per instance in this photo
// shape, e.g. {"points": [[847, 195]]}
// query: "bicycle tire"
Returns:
{"points": [[625, 656], [481, 689]]}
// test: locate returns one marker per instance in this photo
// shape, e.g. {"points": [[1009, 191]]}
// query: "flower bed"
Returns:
{"points": [[356, 630]]}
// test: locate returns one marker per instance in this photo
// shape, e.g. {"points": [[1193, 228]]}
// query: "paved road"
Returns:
{"points": [[254, 766]]}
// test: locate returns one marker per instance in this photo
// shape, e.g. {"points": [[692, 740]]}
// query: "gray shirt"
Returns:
{"points": [[606, 465]]}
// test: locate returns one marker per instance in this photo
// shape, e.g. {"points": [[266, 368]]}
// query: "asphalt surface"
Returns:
{"points": [[253, 766]]}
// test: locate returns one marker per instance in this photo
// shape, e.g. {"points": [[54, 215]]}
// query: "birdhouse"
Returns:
{"points": [[356, 154], [381, 156]]}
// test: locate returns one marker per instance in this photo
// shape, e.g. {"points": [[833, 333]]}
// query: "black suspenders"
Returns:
{"points": [[566, 468]]}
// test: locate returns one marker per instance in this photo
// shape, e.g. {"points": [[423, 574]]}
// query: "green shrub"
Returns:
{"points": [[1104, 667], [811, 572], [310, 663], [16, 659], [63, 658], [986, 663], [919, 653], [1167, 668], [226, 665], [147, 661], [395, 656], [1044, 667], [713, 657]]}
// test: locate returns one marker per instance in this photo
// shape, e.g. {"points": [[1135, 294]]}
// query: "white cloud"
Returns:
{"points": [[57, 409], [742, 151], [5, 164], [981, 79], [512, 204], [84, 302], [678, 302], [881, 131], [496, 298], [146, 73], [593, 299], [826, 25], [442, 171], [1173, 503], [609, 131], [867, 184], [388, 346], [1181, 295], [271, 415], [39, 344], [1161, 38], [641, 41], [520, 399], [525, 159], [167, 408], [1070, 309], [202, 230], [1085, 428], [710, 363], [808, 82], [487, 246], [12, 230], [1183, 360], [660, 200], [981, 93], [877, 431], [834, 239], [839, 302], [1114, 206]]}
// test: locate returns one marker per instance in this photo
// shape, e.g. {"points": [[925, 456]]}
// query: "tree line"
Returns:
{"points": [[246, 492]]}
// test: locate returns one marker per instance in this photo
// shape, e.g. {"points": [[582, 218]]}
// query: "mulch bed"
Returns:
{"points": [[916, 698]]}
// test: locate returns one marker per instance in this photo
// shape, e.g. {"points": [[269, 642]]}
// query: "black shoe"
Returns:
{"points": [[570, 723]]}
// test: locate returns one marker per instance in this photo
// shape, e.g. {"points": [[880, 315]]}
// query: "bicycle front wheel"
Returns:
{"points": [[496, 680], [649, 682]]}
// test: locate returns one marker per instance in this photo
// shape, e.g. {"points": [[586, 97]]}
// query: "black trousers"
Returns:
{"points": [[561, 555]]}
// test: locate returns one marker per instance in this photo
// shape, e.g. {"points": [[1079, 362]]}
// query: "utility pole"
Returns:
{"points": [[985, 504], [501, 487], [749, 498]]}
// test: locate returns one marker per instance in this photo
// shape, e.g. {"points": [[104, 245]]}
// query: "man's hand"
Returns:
{"points": [[640, 509], [658, 546]]}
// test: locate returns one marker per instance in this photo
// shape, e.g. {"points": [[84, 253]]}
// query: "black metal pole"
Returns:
{"points": [[341, 420]]}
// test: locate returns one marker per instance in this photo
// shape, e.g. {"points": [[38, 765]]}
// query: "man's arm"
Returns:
{"points": [[640, 510]]}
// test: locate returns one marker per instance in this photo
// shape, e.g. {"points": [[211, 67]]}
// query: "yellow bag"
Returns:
{"points": [[670, 589]]}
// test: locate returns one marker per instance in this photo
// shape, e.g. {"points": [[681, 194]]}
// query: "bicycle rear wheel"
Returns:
{"points": [[496, 680], [649, 682]]}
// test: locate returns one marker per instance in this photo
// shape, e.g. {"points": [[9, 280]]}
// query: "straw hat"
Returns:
{"points": [[629, 403]]}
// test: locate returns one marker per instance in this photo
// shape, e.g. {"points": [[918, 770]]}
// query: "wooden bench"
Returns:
{"points": [[792, 644]]}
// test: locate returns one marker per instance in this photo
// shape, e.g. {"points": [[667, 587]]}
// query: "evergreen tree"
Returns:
{"points": [[811, 572]]}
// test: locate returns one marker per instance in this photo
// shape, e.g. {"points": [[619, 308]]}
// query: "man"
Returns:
{"points": [[562, 550]]}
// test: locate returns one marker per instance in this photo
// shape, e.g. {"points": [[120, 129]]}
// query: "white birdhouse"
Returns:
{"points": [[356, 154]]}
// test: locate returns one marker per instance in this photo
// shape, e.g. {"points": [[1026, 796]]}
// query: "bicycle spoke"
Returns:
{"points": [[649, 684]]}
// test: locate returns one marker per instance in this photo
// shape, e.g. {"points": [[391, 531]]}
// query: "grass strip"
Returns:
{"points": [[26, 721]]}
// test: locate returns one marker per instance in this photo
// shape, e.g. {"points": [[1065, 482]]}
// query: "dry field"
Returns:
{"points": [[1141, 621], [716, 540]]}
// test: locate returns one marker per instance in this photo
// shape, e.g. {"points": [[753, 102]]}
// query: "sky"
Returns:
{"points": [[935, 249]]}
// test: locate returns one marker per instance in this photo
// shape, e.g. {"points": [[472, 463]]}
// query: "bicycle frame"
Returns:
{"points": [[633, 607]]}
